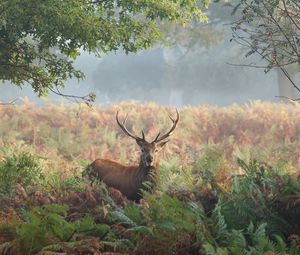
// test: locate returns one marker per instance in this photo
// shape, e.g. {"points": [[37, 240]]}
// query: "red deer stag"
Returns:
{"points": [[129, 179]]}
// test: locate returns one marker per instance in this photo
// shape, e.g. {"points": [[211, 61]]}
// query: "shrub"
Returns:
{"points": [[22, 168], [47, 228]]}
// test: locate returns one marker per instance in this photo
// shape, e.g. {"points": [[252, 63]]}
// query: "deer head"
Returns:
{"points": [[149, 149], [130, 179]]}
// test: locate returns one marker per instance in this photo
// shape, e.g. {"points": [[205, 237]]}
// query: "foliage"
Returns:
{"points": [[260, 195], [40, 39], [232, 228], [269, 28], [251, 241], [23, 169], [256, 199], [46, 228], [205, 203], [196, 35], [163, 220]]}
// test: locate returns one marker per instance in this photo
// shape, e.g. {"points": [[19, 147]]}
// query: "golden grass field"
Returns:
{"points": [[266, 131]]}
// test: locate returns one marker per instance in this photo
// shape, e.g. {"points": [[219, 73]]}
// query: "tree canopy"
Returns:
{"points": [[40, 39]]}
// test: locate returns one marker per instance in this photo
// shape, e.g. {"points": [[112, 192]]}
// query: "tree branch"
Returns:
{"points": [[286, 73], [87, 99], [257, 66], [292, 99], [12, 102], [290, 17], [280, 28]]}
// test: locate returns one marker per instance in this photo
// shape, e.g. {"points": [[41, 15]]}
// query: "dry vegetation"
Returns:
{"points": [[268, 132], [220, 161]]}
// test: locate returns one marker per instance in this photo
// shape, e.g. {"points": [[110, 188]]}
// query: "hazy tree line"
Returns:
{"points": [[196, 67]]}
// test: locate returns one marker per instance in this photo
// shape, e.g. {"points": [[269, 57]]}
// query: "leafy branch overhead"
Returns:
{"points": [[270, 28], [39, 40]]}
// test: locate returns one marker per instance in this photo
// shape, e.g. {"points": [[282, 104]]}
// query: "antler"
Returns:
{"points": [[125, 130], [158, 138]]}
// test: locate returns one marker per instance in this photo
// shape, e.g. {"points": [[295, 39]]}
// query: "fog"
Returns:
{"points": [[202, 78], [174, 76]]}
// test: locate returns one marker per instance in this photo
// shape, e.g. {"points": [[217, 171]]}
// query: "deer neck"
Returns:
{"points": [[148, 173]]}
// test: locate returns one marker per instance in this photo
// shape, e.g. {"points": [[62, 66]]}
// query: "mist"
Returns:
{"points": [[147, 76], [175, 76]]}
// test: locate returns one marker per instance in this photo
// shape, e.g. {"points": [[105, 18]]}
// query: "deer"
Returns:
{"points": [[130, 179]]}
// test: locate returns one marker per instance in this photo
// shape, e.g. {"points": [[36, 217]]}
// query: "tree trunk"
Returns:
{"points": [[285, 87], [175, 98]]}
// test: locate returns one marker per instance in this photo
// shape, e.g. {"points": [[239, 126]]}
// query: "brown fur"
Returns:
{"points": [[128, 179]]}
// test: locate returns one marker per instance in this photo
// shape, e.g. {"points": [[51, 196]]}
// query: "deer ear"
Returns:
{"points": [[162, 144]]}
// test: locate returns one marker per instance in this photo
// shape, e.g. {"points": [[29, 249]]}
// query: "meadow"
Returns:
{"points": [[229, 184]]}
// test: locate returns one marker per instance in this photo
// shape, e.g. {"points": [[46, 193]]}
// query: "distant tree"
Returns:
{"points": [[180, 71], [189, 47], [40, 39], [197, 35], [159, 70], [271, 29]]}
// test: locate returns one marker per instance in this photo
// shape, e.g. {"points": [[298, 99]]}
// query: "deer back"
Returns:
{"points": [[127, 179]]}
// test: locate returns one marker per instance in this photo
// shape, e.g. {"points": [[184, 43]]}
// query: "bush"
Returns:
{"points": [[47, 229], [23, 169], [263, 194]]}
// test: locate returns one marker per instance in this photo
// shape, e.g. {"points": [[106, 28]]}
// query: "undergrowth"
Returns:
{"points": [[254, 212], [229, 183]]}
